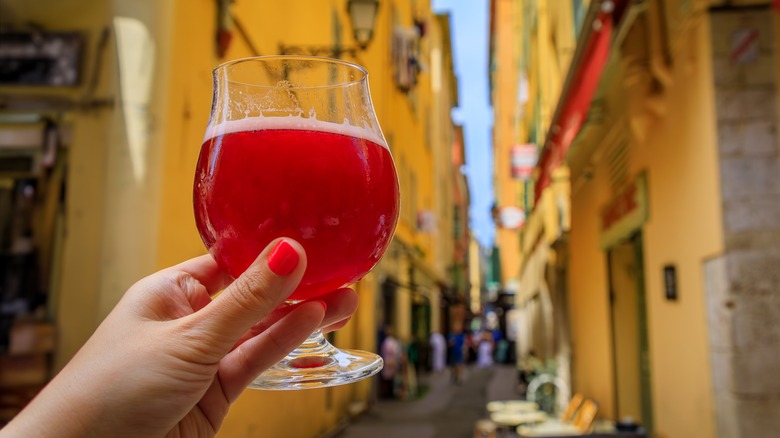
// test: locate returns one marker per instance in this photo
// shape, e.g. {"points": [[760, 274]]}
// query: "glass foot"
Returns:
{"points": [[318, 364]]}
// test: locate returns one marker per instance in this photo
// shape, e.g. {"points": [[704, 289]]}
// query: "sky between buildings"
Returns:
{"points": [[469, 23]]}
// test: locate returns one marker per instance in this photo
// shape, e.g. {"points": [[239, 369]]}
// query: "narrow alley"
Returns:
{"points": [[446, 410]]}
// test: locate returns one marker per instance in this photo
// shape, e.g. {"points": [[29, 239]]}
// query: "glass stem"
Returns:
{"points": [[315, 344]]}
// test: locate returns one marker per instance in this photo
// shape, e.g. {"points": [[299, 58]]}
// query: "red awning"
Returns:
{"points": [[582, 81]]}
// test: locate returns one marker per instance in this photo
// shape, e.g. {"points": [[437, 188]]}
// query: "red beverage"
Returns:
{"points": [[328, 187]]}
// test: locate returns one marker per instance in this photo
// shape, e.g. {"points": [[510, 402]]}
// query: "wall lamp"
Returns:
{"points": [[362, 16]]}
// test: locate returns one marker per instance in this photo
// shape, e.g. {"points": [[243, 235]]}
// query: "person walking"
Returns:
{"points": [[438, 352], [457, 342], [390, 351], [485, 350]]}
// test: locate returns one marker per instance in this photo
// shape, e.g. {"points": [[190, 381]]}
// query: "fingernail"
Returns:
{"points": [[324, 306], [283, 258]]}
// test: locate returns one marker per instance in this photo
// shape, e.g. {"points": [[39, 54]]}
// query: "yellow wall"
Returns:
{"points": [[294, 22], [122, 225], [684, 229], [548, 29], [505, 134], [193, 57], [592, 356], [443, 97], [81, 248], [403, 121], [679, 154], [188, 90], [109, 237]]}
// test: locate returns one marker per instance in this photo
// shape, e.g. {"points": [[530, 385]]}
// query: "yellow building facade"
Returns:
{"points": [[133, 129], [671, 183], [504, 78], [532, 46]]}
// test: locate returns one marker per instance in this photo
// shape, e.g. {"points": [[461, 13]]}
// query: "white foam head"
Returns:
{"points": [[291, 122]]}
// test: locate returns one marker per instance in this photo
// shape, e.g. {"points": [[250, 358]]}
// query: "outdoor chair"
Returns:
{"points": [[581, 423], [507, 414]]}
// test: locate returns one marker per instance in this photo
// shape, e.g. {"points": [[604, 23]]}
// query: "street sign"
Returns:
{"points": [[744, 46], [511, 218], [523, 160]]}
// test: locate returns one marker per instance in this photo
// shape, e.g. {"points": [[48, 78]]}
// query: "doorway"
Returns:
{"points": [[630, 345]]}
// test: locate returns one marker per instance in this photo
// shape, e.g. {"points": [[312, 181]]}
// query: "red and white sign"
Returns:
{"points": [[524, 157], [744, 46], [511, 218]]}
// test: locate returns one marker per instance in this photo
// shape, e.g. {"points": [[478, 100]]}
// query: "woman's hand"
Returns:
{"points": [[169, 359]]}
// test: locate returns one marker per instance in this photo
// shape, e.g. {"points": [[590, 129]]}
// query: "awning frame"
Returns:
{"points": [[591, 55]]}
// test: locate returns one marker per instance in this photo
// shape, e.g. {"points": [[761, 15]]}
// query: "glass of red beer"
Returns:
{"points": [[293, 149]]}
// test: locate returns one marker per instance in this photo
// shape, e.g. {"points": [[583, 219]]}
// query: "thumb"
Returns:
{"points": [[271, 278]]}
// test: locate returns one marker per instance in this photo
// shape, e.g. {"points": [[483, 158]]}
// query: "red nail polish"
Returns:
{"points": [[283, 259]]}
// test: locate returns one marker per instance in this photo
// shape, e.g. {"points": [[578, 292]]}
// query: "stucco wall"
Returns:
{"points": [[679, 154], [684, 230]]}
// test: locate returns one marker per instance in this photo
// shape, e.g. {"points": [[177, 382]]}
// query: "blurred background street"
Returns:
{"points": [[589, 217]]}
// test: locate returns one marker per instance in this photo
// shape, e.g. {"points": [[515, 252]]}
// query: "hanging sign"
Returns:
{"points": [[40, 58], [523, 160], [511, 218]]}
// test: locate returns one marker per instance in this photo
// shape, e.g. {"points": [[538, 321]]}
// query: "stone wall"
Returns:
{"points": [[743, 285]]}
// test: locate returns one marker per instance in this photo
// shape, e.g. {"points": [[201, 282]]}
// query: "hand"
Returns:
{"points": [[169, 359]]}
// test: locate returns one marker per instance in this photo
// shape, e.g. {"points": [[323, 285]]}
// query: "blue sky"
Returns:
{"points": [[469, 23]]}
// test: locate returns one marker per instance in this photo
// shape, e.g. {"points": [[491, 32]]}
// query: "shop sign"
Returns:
{"points": [[32, 58], [523, 161], [511, 218], [626, 213]]}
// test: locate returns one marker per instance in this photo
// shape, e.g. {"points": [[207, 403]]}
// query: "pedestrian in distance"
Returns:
{"points": [[438, 352], [457, 343], [391, 353], [485, 350]]}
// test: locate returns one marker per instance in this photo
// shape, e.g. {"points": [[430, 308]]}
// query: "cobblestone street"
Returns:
{"points": [[446, 411]]}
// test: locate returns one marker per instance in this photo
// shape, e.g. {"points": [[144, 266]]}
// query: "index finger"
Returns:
{"points": [[205, 270]]}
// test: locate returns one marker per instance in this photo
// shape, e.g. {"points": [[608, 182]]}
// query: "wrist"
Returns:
{"points": [[45, 417], [69, 406]]}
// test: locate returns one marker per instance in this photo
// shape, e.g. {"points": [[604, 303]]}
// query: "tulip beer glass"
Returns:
{"points": [[293, 149]]}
